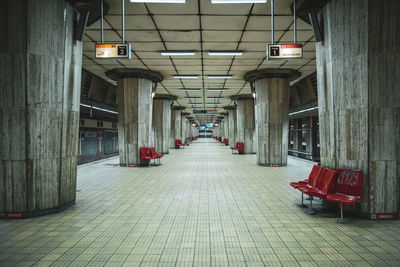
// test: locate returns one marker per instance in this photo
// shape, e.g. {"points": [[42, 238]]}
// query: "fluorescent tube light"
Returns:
{"points": [[177, 53], [215, 97], [186, 76], [219, 76], [97, 108], [192, 96], [217, 89], [238, 1], [159, 1], [225, 53], [302, 111], [191, 89]]}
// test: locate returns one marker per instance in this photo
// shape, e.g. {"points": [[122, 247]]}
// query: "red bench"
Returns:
{"points": [[311, 181], [145, 154], [348, 189], [238, 147], [155, 155], [179, 144]]}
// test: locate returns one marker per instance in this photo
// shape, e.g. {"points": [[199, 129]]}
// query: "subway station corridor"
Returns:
{"points": [[202, 207]]}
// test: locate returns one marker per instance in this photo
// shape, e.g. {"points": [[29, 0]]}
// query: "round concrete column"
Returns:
{"points": [[176, 125], [40, 66], [135, 108], [162, 121], [272, 113], [232, 124], [185, 125], [246, 130]]}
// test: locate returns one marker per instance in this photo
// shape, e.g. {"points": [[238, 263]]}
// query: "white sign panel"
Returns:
{"points": [[108, 51], [284, 51]]}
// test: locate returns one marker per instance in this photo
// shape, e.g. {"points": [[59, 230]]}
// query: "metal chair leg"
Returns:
{"points": [[341, 219], [302, 205], [310, 211]]}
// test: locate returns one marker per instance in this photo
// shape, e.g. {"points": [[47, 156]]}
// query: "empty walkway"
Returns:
{"points": [[201, 207]]}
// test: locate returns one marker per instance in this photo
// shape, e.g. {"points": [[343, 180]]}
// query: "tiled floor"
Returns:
{"points": [[202, 207]]}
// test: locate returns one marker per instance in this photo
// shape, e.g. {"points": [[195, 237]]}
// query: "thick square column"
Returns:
{"points": [[135, 108], [272, 113], [246, 128], [232, 124], [162, 122], [40, 81], [358, 96], [176, 124]]}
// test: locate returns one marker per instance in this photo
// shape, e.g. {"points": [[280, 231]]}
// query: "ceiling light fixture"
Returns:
{"points": [[159, 1], [225, 53], [177, 53], [219, 76], [191, 89], [302, 111], [215, 97], [97, 108], [216, 89], [238, 1], [186, 76], [192, 96]]}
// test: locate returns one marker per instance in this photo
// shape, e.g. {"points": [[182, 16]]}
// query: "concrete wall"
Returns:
{"points": [[40, 66], [358, 95]]}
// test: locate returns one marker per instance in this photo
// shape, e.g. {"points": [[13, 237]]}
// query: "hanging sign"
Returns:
{"points": [[111, 51], [284, 51], [199, 111]]}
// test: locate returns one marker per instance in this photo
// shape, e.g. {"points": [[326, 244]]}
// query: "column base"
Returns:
{"points": [[37, 213], [271, 165]]}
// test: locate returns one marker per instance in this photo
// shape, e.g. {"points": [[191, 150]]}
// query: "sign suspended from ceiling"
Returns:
{"points": [[111, 51], [284, 51]]}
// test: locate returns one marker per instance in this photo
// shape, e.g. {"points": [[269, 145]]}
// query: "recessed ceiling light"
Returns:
{"points": [[186, 76], [237, 1], [191, 89], [219, 76], [217, 89], [177, 53], [225, 53], [159, 1], [97, 108]]}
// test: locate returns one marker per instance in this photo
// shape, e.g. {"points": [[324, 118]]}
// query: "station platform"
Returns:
{"points": [[203, 206]]}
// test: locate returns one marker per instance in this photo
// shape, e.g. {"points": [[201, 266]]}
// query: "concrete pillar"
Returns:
{"points": [[358, 96], [135, 109], [232, 124], [40, 80], [226, 126], [272, 113], [176, 125], [185, 125], [162, 121], [246, 128]]}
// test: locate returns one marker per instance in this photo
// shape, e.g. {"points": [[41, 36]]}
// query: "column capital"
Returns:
{"points": [[233, 107], [255, 75], [120, 73], [241, 97], [165, 97], [178, 108]]}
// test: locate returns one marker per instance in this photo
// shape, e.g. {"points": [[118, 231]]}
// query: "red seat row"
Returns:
{"points": [[218, 138], [225, 142], [149, 153], [343, 186], [239, 147], [179, 144]]}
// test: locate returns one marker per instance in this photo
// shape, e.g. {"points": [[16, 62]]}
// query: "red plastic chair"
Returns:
{"points": [[156, 155], [145, 154], [325, 185], [348, 189], [311, 181], [179, 144]]}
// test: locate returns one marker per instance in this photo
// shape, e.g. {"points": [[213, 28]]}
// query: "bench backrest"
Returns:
{"points": [[314, 174], [239, 145], [349, 182], [178, 142], [153, 151], [144, 152], [326, 181]]}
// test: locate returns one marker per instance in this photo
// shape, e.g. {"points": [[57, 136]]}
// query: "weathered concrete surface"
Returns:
{"points": [[40, 66], [135, 106], [162, 124], [359, 96], [232, 118], [176, 126], [312, 137], [246, 128]]}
